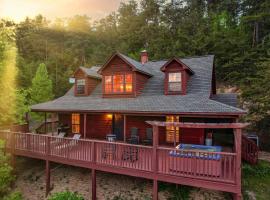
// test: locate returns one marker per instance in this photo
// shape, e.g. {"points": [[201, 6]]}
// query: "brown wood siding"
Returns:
{"points": [[90, 83], [139, 122], [116, 65], [140, 81], [98, 126]]}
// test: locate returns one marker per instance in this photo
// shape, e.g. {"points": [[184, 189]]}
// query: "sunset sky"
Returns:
{"points": [[19, 9]]}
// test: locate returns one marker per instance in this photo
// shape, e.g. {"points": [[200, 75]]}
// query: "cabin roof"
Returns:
{"points": [[92, 72], [152, 98]]}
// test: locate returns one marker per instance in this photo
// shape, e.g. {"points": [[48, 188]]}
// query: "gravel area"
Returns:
{"points": [[31, 182]]}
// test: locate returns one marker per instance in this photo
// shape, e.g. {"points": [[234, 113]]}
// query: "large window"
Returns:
{"points": [[121, 83], [81, 86], [172, 133], [174, 82], [75, 120]]}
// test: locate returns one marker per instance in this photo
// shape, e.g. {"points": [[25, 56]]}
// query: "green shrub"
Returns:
{"points": [[14, 196], [180, 192], [262, 169], [67, 195], [6, 177]]}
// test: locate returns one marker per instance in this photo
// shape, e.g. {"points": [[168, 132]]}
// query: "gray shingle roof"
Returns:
{"points": [[152, 99], [228, 98], [92, 72]]}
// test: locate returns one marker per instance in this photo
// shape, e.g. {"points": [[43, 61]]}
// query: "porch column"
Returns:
{"points": [[94, 186], [125, 128], [237, 147], [84, 125], [48, 177], [155, 162]]}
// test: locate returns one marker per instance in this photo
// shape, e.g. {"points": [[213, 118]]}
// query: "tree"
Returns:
{"points": [[41, 89]]}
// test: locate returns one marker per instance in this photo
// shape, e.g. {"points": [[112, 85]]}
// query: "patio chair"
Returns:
{"points": [[134, 136], [149, 137]]}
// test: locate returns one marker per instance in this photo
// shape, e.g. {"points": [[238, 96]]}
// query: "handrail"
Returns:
{"points": [[195, 151], [250, 150]]}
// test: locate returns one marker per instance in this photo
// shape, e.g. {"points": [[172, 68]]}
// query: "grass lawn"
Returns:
{"points": [[256, 181]]}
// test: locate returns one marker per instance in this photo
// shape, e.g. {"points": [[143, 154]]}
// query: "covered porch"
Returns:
{"points": [[124, 127]]}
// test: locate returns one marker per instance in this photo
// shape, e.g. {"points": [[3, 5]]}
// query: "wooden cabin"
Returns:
{"points": [[161, 120]]}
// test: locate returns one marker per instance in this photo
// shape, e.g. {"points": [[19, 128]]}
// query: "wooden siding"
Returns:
{"points": [[140, 80], [90, 83], [98, 126], [139, 122], [176, 67]]}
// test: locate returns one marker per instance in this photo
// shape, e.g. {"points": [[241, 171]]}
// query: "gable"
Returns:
{"points": [[116, 65]]}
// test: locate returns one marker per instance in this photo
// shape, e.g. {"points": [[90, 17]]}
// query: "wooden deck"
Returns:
{"points": [[192, 168]]}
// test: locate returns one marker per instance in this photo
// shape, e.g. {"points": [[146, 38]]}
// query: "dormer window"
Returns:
{"points": [[119, 83], [175, 82], [176, 78], [80, 86]]}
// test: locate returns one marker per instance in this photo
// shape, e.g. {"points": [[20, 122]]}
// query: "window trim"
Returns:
{"points": [[112, 84]]}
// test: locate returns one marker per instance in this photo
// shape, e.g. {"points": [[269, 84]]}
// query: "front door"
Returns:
{"points": [[118, 126]]}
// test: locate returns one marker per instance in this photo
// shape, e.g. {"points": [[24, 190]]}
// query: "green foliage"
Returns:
{"points": [[65, 196], [180, 192], [14, 196], [256, 180], [22, 106], [6, 176], [41, 90]]}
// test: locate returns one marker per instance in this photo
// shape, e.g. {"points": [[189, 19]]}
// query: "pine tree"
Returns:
{"points": [[41, 90]]}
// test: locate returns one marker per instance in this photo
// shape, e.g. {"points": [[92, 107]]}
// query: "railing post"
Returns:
{"points": [[48, 153], [237, 144], [12, 149], [93, 152], [155, 162]]}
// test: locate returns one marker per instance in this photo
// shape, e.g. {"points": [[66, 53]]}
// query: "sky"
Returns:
{"points": [[19, 9]]}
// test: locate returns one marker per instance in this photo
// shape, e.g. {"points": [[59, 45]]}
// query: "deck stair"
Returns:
{"points": [[250, 150]]}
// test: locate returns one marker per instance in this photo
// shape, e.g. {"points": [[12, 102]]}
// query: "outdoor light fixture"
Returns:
{"points": [[109, 116]]}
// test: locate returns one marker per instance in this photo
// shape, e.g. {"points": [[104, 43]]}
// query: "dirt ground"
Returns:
{"points": [[31, 182]]}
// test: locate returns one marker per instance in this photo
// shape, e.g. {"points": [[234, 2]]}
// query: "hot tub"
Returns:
{"points": [[195, 159]]}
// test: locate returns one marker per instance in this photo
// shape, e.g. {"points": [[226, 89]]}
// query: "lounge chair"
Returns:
{"points": [[134, 136], [149, 137]]}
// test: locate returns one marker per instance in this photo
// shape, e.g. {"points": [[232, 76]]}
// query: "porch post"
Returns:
{"points": [[94, 186], [125, 128], [45, 121], [48, 177], [237, 146], [155, 162], [84, 124]]}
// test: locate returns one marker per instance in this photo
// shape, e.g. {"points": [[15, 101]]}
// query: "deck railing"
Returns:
{"points": [[213, 166], [250, 150]]}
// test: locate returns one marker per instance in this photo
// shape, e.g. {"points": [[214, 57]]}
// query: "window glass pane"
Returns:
{"points": [[128, 81], [171, 131], [118, 83], [175, 86], [175, 77], [175, 82], [108, 84], [75, 119], [80, 86]]}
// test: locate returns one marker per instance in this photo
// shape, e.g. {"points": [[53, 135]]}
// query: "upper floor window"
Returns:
{"points": [[175, 82], [120, 83], [81, 86]]}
